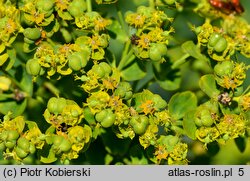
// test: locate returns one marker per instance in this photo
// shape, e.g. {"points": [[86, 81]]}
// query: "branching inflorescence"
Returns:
{"points": [[45, 43]]}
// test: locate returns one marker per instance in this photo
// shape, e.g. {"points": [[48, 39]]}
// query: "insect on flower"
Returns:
{"points": [[224, 98], [228, 6], [64, 127], [134, 39]]}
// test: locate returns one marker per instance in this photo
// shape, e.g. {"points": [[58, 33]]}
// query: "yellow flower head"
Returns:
{"points": [[161, 153], [148, 107], [10, 26], [100, 24], [136, 19], [144, 41], [62, 4]]}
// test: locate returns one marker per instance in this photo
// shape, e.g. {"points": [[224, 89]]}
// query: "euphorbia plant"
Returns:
{"points": [[110, 82]]}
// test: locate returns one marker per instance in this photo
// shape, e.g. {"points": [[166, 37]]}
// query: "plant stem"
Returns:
{"points": [[89, 6], [247, 89], [126, 59], [127, 55], [152, 3], [121, 19], [4, 96], [125, 50], [52, 88], [180, 61]]}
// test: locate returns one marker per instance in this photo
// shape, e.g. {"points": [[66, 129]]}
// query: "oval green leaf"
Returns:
{"points": [[207, 84], [133, 73], [14, 107], [189, 124], [181, 103]]}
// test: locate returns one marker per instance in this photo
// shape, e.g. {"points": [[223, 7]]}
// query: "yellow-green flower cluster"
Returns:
{"points": [[220, 46], [233, 28], [18, 143], [9, 29], [228, 127], [227, 131], [149, 38], [92, 21], [170, 149], [61, 111], [68, 136], [231, 78], [79, 138], [38, 12]]}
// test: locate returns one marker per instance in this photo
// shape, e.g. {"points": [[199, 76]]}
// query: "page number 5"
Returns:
{"points": [[241, 171]]}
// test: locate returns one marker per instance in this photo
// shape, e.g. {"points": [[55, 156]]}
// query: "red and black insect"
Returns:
{"points": [[229, 6]]}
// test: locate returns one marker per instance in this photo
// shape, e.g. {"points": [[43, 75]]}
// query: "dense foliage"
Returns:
{"points": [[124, 82]]}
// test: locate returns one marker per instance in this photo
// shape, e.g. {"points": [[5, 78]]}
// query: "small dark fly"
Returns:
{"points": [[134, 39], [64, 127]]}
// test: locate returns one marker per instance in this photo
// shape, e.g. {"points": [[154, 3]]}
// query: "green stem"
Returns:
{"points": [[152, 3], [126, 59], [89, 6], [51, 42], [125, 50], [4, 96], [130, 59], [125, 53], [180, 61], [121, 19], [52, 88], [247, 89]]}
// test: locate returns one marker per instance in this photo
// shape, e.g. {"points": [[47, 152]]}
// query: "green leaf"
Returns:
{"points": [[207, 84], [50, 159], [133, 73], [181, 103], [98, 54], [2, 47], [12, 58], [89, 116], [17, 108], [117, 31], [189, 124], [108, 159], [20, 124], [48, 20], [27, 84], [50, 130], [31, 124], [3, 58], [170, 84], [191, 49]]}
